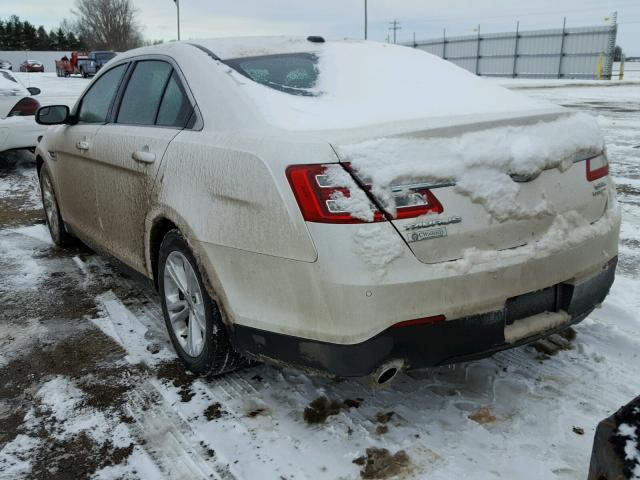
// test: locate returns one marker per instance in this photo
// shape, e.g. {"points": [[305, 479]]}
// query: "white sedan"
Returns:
{"points": [[18, 128], [351, 207]]}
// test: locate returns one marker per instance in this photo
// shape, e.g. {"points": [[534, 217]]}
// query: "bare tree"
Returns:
{"points": [[108, 24]]}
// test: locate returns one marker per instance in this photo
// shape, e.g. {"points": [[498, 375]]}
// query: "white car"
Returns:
{"points": [[351, 207], [18, 128]]}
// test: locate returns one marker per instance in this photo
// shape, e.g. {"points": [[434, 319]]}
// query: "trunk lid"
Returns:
{"points": [[486, 203]]}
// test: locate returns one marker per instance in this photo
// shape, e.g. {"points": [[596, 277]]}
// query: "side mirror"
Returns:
{"points": [[52, 115], [34, 90]]}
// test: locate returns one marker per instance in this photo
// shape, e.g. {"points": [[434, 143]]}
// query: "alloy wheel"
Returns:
{"points": [[185, 303], [50, 204]]}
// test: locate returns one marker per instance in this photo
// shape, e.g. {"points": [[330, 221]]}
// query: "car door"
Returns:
{"points": [[74, 160], [153, 109]]}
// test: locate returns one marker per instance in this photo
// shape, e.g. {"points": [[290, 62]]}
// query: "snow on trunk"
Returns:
{"points": [[480, 163]]}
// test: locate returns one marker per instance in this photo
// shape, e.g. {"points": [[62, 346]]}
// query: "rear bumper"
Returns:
{"points": [[442, 343]]}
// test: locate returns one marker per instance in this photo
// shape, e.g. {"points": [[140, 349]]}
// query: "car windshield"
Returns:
{"points": [[293, 73], [105, 56]]}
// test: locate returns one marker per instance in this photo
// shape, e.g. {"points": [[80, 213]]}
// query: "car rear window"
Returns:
{"points": [[105, 56], [293, 73]]}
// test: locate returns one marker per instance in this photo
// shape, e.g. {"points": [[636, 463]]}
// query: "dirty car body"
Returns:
{"points": [[239, 161]]}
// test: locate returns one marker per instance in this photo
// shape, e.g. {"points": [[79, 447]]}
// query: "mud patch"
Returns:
{"points": [[550, 346], [175, 373], [105, 395], [77, 458], [321, 408], [76, 357], [384, 417], [483, 416], [214, 411], [19, 193], [379, 463], [256, 412], [627, 190]]}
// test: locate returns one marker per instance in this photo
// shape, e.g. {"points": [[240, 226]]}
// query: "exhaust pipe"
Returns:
{"points": [[387, 372]]}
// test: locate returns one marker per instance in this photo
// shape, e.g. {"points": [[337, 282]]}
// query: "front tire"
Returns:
{"points": [[58, 232], [192, 317]]}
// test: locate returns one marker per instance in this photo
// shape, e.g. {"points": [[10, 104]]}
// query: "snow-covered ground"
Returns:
{"points": [[90, 386]]}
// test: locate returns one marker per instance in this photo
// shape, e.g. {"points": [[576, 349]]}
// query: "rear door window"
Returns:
{"points": [[141, 99], [175, 109], [94, 106]]}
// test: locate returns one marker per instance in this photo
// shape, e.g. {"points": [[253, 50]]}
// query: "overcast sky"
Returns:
{"points": [[344, 18]]}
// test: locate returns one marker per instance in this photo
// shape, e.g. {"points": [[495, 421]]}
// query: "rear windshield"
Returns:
{"points": [[294, 73], [105, 56]]}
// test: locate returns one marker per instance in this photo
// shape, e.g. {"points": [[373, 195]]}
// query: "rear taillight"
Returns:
{"points": [[317, 196], [25, 107], [414, 202], [597, 167], [320, 199]]}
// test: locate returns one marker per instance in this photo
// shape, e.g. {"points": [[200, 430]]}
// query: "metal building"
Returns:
{"points": [[583, 53]]}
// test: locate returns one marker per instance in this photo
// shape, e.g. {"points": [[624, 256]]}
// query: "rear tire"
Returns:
{"points": [[193, 319], [58, 232]]}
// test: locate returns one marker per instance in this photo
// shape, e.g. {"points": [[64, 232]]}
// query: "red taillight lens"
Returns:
{"points": [[597, 167], [420, 321], [316, 197], [25, 107]]}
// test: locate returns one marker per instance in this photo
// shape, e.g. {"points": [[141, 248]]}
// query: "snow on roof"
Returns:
{"points": [[236, 47], [366, 83]]}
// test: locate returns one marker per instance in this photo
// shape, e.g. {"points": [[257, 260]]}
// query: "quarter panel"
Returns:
{"points": [[233, 197]]}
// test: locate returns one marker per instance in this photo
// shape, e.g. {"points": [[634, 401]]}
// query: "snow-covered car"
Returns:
{"points": [[5, 65], [352, 207], [18, 128]]}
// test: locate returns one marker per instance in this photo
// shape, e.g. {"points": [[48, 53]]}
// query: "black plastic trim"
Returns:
{"points": [[442, 343]]}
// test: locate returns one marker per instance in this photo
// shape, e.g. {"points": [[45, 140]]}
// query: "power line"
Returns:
{"points": [[395, 26]]}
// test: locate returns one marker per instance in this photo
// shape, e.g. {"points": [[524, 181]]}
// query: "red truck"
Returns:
{"points": [[73, 66]]}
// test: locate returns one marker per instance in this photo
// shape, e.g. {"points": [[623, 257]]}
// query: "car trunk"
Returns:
{"points": [[465, 220]]}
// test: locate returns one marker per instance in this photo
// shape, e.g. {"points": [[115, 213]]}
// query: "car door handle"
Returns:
{"points": [[144, 156], [82, 145]]}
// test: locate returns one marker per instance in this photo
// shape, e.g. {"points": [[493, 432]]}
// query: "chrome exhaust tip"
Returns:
{"points": [[387, 372]]}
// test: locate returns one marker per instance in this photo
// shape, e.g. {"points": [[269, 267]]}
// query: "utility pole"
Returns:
{"points": [[177, 2], [395, 26], [366, 19]]}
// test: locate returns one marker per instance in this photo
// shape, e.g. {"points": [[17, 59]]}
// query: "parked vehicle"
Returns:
{"points": [[31, 66], [82, 64], [75, 65], [352, 207], [18, 128], [96, 61], [5, 65]]}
